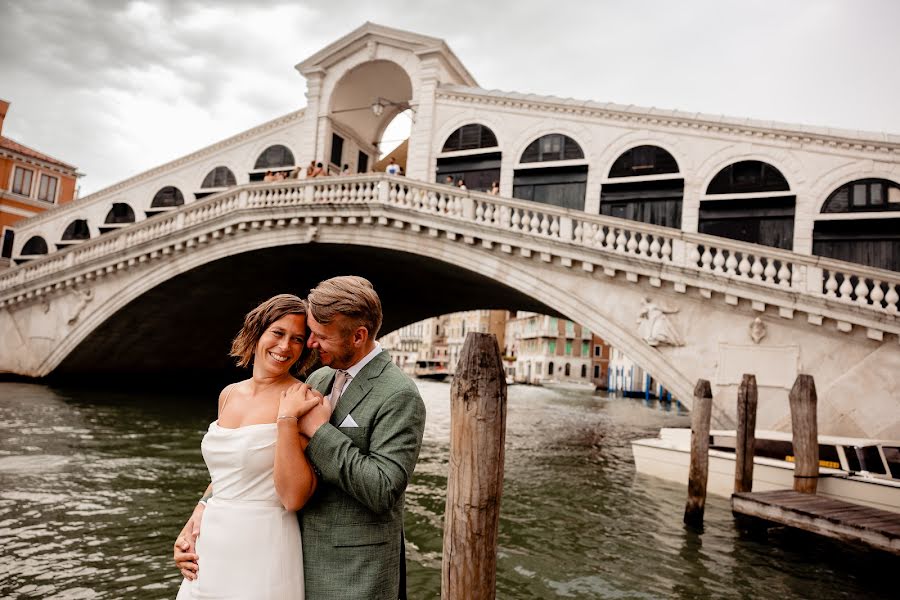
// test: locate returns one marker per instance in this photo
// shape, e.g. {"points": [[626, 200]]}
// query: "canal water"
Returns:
{"points": [[94, 487]]}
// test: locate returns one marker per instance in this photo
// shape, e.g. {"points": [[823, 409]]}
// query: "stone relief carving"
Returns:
{"points": [[654, 326], [758, 330], [83, 298]]}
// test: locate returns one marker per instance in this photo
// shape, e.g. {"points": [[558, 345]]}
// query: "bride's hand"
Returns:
{"points": [[298, 400], [185, 551]]}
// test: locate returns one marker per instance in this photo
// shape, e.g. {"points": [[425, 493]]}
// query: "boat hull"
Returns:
{"points": [[659, 458]]}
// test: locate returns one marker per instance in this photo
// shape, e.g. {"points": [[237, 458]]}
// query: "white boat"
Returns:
{"points": [[569, 385], [857, 470]]}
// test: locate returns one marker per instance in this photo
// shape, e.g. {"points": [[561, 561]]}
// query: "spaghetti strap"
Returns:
{"points": [[225, 400]]}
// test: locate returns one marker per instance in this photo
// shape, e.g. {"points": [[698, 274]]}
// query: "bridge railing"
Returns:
{"points": [[720, 258]]}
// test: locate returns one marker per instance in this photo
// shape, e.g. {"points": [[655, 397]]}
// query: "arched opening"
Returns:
{"points": [[166, 199], [860, 223], [216, 180], [75, 232], [35, 246], [276, 158], [471, 154], [749, 201], [9, 238], [364, 122], [561, 185], [644, 185], [119, 215]]}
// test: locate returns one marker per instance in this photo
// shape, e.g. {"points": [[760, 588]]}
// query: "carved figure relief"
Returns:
{"points": [[757, 330], [654, 326], [83, 298]]}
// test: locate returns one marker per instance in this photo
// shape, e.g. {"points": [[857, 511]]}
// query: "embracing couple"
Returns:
{"points": [[308, 479]]}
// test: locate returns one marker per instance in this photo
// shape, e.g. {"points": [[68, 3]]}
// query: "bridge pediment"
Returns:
{"points": [[364, 41]]}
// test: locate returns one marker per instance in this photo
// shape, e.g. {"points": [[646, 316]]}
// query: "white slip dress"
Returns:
{"points": [[249, 545]]}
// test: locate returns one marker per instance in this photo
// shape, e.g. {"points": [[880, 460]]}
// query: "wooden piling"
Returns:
{"points": [[475, 481], [805, 434], [699, 470], [746, 435]]}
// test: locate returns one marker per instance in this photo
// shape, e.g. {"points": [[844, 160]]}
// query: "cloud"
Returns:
{"points": [[118, 87]]}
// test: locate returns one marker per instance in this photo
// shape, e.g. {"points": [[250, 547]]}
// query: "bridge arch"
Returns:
{"points": [[531, 290], [789, 166], [627, 141]]}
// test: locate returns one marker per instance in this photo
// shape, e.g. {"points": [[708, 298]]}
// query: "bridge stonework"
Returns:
{"points": [[836, 321]]}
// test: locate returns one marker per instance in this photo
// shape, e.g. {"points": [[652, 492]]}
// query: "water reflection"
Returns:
{"points": [[94, 487]]}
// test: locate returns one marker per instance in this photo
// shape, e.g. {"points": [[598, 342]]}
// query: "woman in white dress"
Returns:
{"points": [[250, 544]]}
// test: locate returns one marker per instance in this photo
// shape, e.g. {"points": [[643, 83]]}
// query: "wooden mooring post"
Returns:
{"points": [[701, 412], [805, 434], [475, 481], [745, 441]]}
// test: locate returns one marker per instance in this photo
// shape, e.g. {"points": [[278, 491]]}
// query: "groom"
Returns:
{"points": [[364, 450]]}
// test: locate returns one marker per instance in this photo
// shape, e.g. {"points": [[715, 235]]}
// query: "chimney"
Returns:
{"points": [[3, 106]]}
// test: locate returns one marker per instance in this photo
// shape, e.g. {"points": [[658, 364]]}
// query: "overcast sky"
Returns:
{"points": [[117, 87]]}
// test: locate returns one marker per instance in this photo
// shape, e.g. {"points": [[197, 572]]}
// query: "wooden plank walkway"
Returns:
{"points": [[824, 516]]}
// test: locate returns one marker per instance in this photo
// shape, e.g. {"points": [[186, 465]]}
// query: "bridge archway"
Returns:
{"points": [[215, 287]]}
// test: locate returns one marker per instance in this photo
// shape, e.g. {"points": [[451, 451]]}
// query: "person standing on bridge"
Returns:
{"points": [[365, 432]]}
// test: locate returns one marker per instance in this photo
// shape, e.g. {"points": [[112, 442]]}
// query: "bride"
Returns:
{"points": [[260, 475]]}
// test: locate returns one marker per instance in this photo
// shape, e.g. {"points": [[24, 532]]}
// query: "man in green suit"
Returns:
{"points": [[364, 442], [364, 439]]}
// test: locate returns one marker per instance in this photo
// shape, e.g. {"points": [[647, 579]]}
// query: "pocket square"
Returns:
{"points": [[348, 422]]}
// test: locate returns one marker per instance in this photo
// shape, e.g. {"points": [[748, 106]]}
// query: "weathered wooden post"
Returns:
{"points": [[699, 471], [475, 481], [805, 433], [745, 441]]}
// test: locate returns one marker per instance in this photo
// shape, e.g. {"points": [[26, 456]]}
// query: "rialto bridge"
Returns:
{"points": [[725, 231]]}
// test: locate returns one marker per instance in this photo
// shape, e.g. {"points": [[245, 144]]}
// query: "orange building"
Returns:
{"points": [[30, 182]]}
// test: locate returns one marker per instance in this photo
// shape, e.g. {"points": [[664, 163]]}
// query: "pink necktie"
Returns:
{"points": [[339, 380]]}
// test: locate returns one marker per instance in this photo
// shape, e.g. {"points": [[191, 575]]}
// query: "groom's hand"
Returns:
{"points": [[185, 553], [317, 416]]}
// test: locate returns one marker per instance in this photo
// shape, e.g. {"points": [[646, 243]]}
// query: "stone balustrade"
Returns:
{"points": [[474, 213]]}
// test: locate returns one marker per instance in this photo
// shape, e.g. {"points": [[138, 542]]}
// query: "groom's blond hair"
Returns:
{"points": [[348, 295]]}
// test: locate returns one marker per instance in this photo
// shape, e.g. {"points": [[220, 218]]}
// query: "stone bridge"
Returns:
{"points": [[164, 295]]}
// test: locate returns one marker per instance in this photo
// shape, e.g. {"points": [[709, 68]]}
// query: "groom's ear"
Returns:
{"points": [[360, 336]]}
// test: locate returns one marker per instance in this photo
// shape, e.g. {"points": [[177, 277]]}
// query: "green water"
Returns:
{"points": [[95, 486]]}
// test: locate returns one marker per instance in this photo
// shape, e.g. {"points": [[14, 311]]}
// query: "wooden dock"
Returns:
{"points": [[824, 516]]}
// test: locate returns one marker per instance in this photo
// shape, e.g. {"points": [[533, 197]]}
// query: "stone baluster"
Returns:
{"points": [[667, 252], [535, 223], [877, 294], [706, 259], [632, 244], [479, 211], [831, 285], [643, 245], [784, 275], [621, 241], [442, 205], [731, 263], [694, 256], [846, 289], [610, 240], [515, 219], [862, 292], [770, 271], [545, 225], [561, 228], [891, 298], [719, 261], [655, 247], [757, 268], [579, 232]]}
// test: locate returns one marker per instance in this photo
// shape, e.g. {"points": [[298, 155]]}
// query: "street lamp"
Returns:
{"points": [[379, 103]]}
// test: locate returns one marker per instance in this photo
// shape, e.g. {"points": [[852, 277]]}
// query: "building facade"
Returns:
{"points": [[30, 183], [543, 349]]}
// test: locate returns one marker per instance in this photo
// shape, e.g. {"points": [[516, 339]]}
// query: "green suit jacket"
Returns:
{"points": [[352, 527]]}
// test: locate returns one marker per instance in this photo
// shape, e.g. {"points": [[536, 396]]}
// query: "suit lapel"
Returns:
{"points": [[359, 387]]}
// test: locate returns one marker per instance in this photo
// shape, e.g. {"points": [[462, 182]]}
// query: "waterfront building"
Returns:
{"points": [[544, 349], [461, 323], [600, 355], [31, 182]]}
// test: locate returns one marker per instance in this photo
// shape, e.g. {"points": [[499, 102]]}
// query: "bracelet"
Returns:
{"points": [[202, 501], [287, 417]]}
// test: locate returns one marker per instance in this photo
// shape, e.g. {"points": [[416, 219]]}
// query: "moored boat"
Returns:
{"points": [[858, 470], [431, 369]]}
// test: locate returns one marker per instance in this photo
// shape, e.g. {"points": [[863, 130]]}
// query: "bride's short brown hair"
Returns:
{"points": [[243, 347]]}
